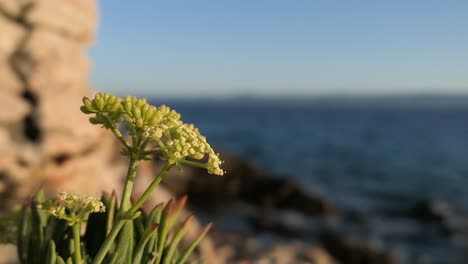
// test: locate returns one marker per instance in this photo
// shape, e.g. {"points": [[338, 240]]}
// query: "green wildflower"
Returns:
{"points": [[73, 208], [146, 124]]}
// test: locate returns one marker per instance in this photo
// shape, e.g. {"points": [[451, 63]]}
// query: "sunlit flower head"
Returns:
{"points": [[147, 124]]}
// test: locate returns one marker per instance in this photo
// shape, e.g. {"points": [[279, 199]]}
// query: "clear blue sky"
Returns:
{"points": [[275, 48]]}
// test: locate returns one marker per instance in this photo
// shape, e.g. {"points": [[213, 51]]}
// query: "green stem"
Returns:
{"points": [[117, 134], [194, 163], [124, 205], [150, 189], [127, 192], [108, 242], [152, 151], [76, 240], [120, 222]]}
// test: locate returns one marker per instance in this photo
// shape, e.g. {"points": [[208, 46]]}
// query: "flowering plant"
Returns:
{"points": [[50, 231]]}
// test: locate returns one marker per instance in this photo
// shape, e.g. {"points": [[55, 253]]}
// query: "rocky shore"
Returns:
{"points": [[274, 213]]}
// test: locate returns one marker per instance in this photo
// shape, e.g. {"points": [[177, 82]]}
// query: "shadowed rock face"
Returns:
{"points": [[243, 182], [44, 139], [352, 252]]}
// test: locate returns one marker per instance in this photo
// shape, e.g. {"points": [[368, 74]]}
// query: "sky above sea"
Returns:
{"points": [[274, 48]]}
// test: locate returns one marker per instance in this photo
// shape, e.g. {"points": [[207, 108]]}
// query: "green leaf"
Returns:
{"points": [[169, 253], [163, 230], [149, 232], [51, 257], [24, 233], [186, 253], [60, 260]]}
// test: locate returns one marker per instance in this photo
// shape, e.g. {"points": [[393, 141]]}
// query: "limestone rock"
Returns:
{"points": [[237, 247], [45, 139], [86, 174], [46, 45], [71, 18], [8, 254], [8, 79], [61, 75], [65, 128], [12, 108], [11, 36], [13, 7]]}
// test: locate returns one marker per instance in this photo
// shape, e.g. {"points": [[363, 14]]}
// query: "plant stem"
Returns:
{"points": [[117, 133], [120, 222], [194, 163], [108, 242], [150, 189], [76, 240], [124, 205], [127, 192]]}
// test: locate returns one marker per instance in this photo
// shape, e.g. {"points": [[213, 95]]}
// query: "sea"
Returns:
{"points": [[371, 156]]}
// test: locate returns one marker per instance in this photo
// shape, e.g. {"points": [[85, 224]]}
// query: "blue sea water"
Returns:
{"points": [[363, 158], [417, 152]]}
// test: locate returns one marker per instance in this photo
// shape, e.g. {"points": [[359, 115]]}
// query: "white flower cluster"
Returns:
{"points": [[72, 207], [187, 142], [161, 125]]}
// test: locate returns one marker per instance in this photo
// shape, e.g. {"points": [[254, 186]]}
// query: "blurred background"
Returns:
{"points": [[361, 104]]}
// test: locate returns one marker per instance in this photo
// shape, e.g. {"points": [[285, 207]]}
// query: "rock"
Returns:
{"points": [[13, 8], [47, 141], [353, 252], [9, 81], [8, 254], [67, 131], [44, 45], [15, 34], [12, 108], [246, 248], [60, 76], [70, 18], [431, 211], [244, 182]]}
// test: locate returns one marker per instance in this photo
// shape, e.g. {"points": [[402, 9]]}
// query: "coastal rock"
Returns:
{"points": [[10, 8], [8, 254], [9, 81], [15, 34], [46, 140], [45, 45], [244, 182], [70, 18], [431, 211], [12, 108], [349, 251], [61, 77], [235, 247]]}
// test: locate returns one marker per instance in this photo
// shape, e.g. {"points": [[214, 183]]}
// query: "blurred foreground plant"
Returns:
{"points": [[50, 231]]}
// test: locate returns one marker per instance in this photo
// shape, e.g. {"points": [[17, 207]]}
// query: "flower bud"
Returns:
{"points": [[99, 103], [111, 100], [88, 104], [139, 122], [94, 121], [115, 107], [128, 106], [85, 110], [136, 112]]}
